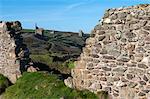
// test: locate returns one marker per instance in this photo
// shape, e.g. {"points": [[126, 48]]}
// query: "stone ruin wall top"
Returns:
{"points": [[116, 57]]}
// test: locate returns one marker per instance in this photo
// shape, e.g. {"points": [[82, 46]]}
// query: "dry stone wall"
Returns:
{"points": [[116, 57], [8, 66]]}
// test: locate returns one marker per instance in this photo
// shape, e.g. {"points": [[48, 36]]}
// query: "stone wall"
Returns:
{"points": [[8, 67], [116, 57]]}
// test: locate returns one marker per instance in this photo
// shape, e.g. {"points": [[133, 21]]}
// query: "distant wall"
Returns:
{"points": [[116, 57]]}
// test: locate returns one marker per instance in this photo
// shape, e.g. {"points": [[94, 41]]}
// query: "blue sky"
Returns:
{"points": [[66, 15]]}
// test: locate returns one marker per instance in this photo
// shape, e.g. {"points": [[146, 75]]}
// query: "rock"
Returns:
{"points": [[142, 82], [109, 57], [141, 94], [145, 78], [146, 28], [68, 82], [94, 55], [119, 84], [103, 79], [130, 76], [101, 38], [106, 68], [99, 32], [142, 66], [107, 20], [123, 59], [132, 84], [119, 69], [32, 69], [140, 50]]}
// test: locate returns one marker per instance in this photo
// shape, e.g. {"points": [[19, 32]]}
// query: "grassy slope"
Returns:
{"points": [[43, 86]]}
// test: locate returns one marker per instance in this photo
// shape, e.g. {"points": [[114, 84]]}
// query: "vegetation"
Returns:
{"points": [[44, 86], [28, 30], [69, 64], [54, 50], [4, 83], [48, 60]]}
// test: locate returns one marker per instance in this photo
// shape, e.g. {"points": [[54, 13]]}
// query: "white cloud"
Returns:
{"points": [[72, 6]]}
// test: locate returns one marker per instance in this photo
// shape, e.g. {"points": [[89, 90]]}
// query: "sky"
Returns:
{"points": [[64, 15]]}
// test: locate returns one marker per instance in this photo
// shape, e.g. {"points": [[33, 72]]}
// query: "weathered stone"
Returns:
{"points": [[138, 57], [130, 76], [123, 79], [130, 35], [94, 55], [141, 94], [116, 78], [122, 15], [142, 82], [145, 78], [147, 38], [108, 89], [146, 91], [101, 38], [123, 59], [114, 53], [107, 20], [103, 79], [136, 71], [132, 84], [106, 68], [68, 82], [119, 69], [109, 57], [131, 65], [140, 50], [124, 53], [146, 28], [142, 66], [99, 32], [103, 51]]}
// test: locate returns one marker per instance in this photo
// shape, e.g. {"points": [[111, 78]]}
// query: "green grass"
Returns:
{"points": [[43, 86], [70, 64], [44, 58], [48, 60], [27, 30]]}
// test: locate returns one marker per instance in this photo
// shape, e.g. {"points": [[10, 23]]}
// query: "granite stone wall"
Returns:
{"points": [[8, 66], [116, 57]]}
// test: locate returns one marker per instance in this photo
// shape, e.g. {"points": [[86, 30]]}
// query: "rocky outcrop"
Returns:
{"points": [[116, 57], [8, 65]]}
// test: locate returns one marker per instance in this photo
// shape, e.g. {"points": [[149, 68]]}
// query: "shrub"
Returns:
{"points": [[69, 64]]}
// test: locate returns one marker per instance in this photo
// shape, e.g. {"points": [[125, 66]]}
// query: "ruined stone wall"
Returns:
{"points": [[8, 67], [116, 57]]}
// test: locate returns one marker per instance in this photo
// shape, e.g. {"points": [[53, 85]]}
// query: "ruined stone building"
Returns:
{"points": [[38, 30], [81, 33], [116, 57], [8, 66]]}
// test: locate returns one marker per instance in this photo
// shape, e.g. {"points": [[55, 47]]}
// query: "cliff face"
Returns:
{"points": [[8, 66], [116, 57]]}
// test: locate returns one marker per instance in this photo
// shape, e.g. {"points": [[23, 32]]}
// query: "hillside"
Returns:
{"points": [[54, 50]]}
